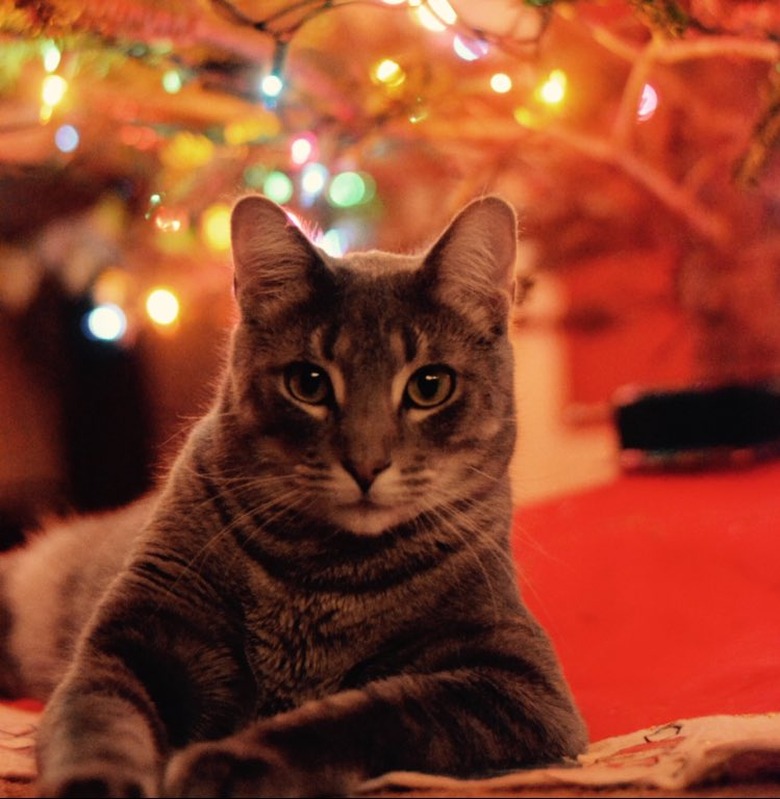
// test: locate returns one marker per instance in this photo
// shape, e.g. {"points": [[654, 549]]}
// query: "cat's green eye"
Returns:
{"points": [[307, 383], [430, 386]]}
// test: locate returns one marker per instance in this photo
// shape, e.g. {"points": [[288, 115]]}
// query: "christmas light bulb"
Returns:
{"points": [[553, 90], [271, 86], [66, 138], [162, 306], [53, 90], [443, 10], [648, 102], [347, 189], [427, 19], [278, 187], [172, 81], [501, 83], [215, 226], [302, 149], [106, 322], [51, 56], [469, 49], [388, 72], [313, 179]]}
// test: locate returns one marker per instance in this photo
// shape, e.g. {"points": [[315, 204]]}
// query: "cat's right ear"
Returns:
{"points": [[273, 259]]}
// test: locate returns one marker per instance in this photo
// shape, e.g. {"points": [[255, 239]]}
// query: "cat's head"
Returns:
{"points": [[367, 390]]}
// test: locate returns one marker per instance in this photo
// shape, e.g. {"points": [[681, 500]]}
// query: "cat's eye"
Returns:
{"points": [[308, 383], [430, 386]]}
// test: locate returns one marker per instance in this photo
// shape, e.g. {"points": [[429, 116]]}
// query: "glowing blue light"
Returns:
{"points": [[66, 138], [106, 322]]}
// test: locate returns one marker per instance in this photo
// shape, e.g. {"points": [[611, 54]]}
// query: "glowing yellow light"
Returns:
{"points": [[501, 83], [162, 306], [53, 90], [259, 126], [553, 90], [525, 118], [388, 72], [187, 151], [215, 226]]}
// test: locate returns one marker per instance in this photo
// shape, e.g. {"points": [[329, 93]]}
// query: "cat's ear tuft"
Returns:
{"points": [[272, 258], [474, 259]]}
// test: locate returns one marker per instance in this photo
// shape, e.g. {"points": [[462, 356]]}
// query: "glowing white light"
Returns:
{"points": [[301, 149], [444, 11], [66, 138], [648, 103], [313, 178], [271, 85], [162, 306], [428, 19], [51, 56], [53, 89], [106, 322], [469, 49], [500, 83]]}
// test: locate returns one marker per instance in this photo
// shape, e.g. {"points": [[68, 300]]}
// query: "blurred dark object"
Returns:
{"points": [[698, 427]]}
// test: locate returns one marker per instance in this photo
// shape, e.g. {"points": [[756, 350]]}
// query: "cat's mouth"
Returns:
{"points": [[366, 516]]}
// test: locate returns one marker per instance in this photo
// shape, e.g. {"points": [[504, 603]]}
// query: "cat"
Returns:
{"points": [[321, 590]]}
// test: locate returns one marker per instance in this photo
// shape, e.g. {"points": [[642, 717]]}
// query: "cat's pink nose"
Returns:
{"points": [[365, 472]]}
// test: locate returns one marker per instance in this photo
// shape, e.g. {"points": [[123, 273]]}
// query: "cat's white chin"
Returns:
{"points": [[369, 519]]}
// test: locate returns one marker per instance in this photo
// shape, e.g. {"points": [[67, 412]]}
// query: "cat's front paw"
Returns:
{"points": [[227, 768]]}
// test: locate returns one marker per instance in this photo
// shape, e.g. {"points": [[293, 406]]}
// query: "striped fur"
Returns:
{"points": [[322, 589]]}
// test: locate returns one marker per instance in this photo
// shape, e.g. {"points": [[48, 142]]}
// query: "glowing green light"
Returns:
{"points": [[347, 189], [255, 176], [278, 187]]}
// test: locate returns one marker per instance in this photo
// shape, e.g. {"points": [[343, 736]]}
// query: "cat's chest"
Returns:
{"points": [[301, 647]]}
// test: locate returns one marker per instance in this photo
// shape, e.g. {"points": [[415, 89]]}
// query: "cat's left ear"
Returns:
{"points": [[472, 264], [275, 264]]}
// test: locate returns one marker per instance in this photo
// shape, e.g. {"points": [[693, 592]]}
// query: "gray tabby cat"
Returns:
{"points": [[322, 590]]}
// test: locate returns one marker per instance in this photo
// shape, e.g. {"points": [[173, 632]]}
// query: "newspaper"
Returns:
{"points": [[670, 757]]}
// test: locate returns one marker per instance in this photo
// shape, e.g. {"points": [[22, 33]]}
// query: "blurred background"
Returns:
{"points": [[637, 139]]}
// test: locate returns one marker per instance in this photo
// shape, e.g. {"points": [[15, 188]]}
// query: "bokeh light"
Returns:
{"points": [[162, 306], [500, 83], [278, 187], [388, 72], [271, 86], [66, 138], [347, 189], [648, 103], [53, 89], [215, 226], [106, 322], [469, 49], [553, 90]]}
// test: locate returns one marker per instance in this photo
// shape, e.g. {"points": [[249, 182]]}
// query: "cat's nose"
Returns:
{"points": [[365, 472]]}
